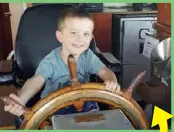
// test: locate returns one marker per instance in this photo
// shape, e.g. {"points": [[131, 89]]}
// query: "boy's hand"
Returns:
{"points": [[112, 86], [14, 109]]}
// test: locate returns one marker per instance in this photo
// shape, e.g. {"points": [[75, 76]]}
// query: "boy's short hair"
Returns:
{"points": [[72, 12]]}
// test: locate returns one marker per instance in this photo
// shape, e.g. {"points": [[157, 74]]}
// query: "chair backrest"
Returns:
{"points": [[36, 37]]}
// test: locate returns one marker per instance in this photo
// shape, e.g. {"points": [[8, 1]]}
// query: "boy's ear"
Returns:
{"points": [[59, 36]]}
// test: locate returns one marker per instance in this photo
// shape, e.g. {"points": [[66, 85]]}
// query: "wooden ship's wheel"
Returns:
{"points": [[76, 94]]}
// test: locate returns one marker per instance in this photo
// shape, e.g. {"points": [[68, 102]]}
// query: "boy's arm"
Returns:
{"points": [[34, 84], [109, 79], [106, 74], [95, 66], [30, 88]]}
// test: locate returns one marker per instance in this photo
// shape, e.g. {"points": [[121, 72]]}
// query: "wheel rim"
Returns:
{"points": [[87, 92]]}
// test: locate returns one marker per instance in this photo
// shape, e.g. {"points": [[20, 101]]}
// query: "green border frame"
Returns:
{"points": [[106, 1], [85, 1]]}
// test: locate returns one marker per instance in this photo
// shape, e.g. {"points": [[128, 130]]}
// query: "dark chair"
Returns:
{"points": [[35, 39]]}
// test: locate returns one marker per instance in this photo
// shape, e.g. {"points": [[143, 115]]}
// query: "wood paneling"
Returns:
{"points": [[102, 31], [5, 31], [163, 25], [164, 13]]}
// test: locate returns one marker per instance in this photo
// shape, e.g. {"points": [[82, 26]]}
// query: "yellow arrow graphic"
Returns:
{"points": [[160, 118]]}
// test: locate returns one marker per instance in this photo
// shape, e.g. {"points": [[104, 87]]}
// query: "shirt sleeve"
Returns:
{"points": [[94, 63], [45, 68]]}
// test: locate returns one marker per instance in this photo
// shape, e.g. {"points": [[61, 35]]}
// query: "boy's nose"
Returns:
{"points": [[80, 37]]}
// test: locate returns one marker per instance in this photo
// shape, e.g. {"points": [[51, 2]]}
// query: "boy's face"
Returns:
{"points": [[76, 35]]}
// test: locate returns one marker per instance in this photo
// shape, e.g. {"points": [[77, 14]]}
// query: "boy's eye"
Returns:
{"points": [[73, 33], [87, 34]]}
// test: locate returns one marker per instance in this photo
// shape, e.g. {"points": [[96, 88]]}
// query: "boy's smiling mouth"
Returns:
{"points": [[77, 45]]}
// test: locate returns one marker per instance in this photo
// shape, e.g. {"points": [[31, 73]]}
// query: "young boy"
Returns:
{"points": [[75, 32]]}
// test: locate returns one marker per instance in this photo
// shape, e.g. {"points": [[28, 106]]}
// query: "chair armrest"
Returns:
{"points": [[6, 76], [110, 61], [110, 58]]}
